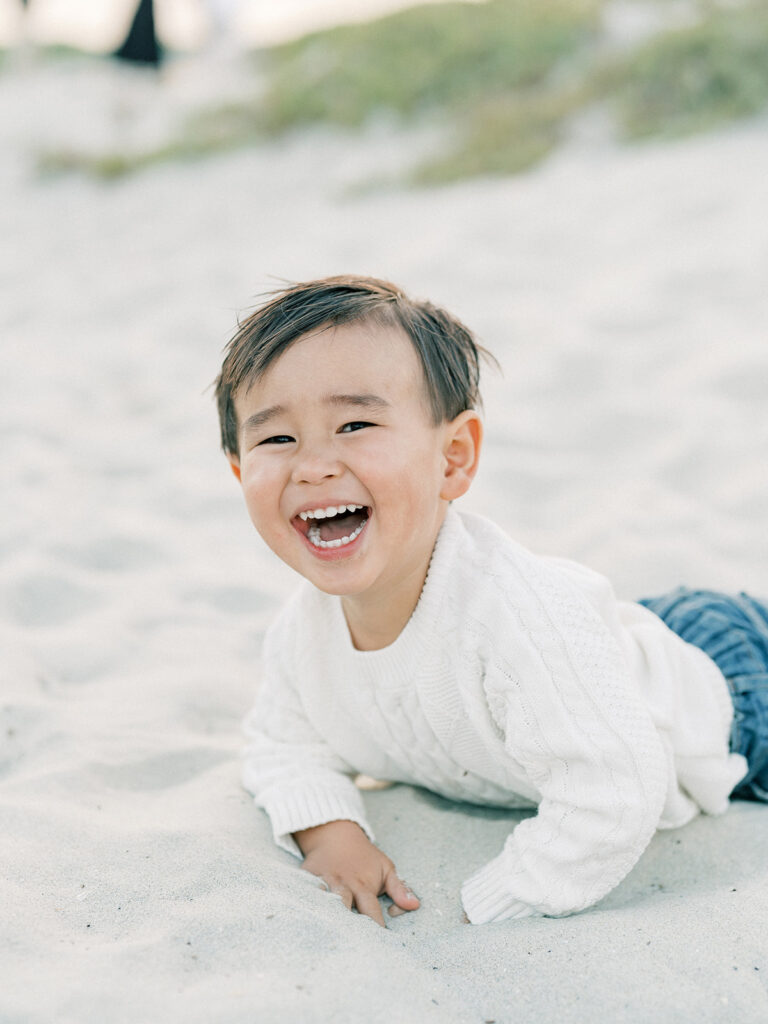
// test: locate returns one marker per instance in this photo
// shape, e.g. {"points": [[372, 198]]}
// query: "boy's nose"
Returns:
{"points": [[314, 468]]}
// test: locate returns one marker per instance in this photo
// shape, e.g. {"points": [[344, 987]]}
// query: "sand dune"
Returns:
{"points": [[624, 291]]}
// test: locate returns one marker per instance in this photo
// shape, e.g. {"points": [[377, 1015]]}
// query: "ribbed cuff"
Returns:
{"points": [[293, 809], [485, 896]]}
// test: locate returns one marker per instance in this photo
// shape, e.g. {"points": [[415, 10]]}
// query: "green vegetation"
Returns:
{"points": [[486, 67], [695, 79], [111, 165], [64, 51], [448, 56], [504, 135], [504, 77]]}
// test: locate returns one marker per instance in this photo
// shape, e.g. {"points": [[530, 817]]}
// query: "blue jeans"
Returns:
{"points": [[733, 631]]}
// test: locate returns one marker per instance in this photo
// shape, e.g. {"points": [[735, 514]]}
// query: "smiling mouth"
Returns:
{"points": [[333, 527]]}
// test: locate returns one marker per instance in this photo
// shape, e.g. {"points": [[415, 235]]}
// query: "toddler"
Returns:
{"points": [[427, 647]]}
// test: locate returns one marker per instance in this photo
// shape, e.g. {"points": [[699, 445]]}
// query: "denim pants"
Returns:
{"points": [[733, 631]]}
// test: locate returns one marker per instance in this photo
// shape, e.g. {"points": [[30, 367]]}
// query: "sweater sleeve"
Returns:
{"points": [[290, 769], [575, 724]]}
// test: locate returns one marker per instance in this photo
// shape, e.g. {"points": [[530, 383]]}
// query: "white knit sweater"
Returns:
{"points": [[518, 681]]}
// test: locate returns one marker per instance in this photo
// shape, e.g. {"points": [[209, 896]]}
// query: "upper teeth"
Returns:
{"points": [[332, 510]]}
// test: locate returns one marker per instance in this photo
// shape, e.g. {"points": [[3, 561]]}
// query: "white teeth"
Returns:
{"points": [[313, 535], [332, 510]]}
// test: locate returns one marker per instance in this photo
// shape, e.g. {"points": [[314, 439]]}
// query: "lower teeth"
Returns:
{"points": [[313, 535]]}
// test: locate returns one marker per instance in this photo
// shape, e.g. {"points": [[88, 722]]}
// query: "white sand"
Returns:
{"points": [[625, 293]]}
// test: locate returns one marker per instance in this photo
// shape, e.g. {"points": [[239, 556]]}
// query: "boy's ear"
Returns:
{"points": [[463, 440], [234, 464]]}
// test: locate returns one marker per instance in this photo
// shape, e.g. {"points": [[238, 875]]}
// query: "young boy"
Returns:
{"points": [[427, 647]]}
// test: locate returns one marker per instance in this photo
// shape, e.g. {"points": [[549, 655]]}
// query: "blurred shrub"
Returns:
{"points": [[505, 134], [691, 80], [503, 77], [495, 71], [422, 58]]}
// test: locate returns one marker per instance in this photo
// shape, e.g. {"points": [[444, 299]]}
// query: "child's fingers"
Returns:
{"points": [[369, 905], [394, 911], [335, 887], [345, 893], [400, 894]]}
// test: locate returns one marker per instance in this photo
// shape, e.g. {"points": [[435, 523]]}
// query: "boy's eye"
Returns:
{"points": [[354, 425], [277, 439]]}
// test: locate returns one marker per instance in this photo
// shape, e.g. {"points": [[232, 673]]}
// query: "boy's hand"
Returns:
{"points": [[341, 854]]}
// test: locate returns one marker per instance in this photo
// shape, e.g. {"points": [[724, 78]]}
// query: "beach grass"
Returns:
{"points": [[504, 78], [52, 52], [694, 79], [505, 134], [447, 56], [485, 68], [114, 164]]}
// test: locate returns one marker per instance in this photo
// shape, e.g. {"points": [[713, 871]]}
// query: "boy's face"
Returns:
{"points": [[342, 468]]}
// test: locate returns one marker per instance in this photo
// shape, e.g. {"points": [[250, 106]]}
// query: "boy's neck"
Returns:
{"points": [[376, 621]]}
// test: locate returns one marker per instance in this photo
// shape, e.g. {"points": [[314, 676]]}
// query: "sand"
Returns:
{"points": [[624, 291]]}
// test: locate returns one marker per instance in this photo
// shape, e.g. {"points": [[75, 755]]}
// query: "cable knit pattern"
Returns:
{"points": [[518, 681]]}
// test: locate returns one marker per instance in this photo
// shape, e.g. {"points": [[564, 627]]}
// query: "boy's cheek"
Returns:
{"points": [[252, 477], [262, 506]]}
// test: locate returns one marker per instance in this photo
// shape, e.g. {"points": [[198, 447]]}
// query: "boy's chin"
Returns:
{"points": [[336, 589], [332, 579]]}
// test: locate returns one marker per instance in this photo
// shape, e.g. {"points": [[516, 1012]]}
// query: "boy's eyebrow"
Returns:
{"points": [[263, 416], [366, 401]]}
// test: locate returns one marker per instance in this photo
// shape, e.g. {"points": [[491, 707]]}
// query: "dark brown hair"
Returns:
{"points": [[449, 354]]}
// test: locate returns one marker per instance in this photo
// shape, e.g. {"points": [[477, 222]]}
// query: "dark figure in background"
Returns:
{"points": [[140, 45]]}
